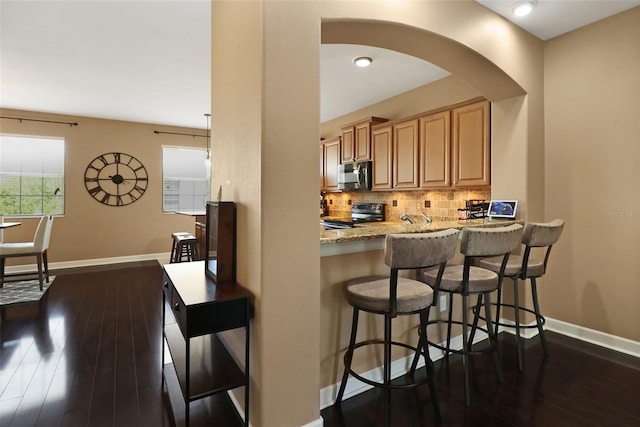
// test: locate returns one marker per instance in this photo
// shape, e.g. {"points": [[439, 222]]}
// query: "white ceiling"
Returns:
{"points": [[149, 60]]}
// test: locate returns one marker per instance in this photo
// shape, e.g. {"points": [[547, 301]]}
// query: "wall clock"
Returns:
{"points": [[116, 179]]}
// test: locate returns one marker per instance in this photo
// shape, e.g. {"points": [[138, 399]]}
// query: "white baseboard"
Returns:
{"points": [[162, 258], [315, 423], [602, 339], [400, 367]]}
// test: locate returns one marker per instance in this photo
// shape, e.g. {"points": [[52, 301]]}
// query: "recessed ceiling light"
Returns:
{"points": [[523, 8], [363, 61]]}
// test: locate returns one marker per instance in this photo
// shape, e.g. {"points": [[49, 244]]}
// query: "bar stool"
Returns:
{"points": [[184, 248], [535, 235], [468, 279], [393, 296]]}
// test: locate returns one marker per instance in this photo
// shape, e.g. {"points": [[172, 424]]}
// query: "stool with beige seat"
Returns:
{"points": [[535, 235], [393, 296], [468, 279]]}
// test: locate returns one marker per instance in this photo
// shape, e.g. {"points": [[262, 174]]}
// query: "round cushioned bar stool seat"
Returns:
{"points": [[535, 267], [480, 279], [372, 294]]}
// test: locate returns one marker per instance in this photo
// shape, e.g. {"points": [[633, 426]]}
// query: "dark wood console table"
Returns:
{"points": [[195, 310]]}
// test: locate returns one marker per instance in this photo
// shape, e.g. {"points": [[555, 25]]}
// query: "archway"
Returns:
{"points": [[454, 57]]}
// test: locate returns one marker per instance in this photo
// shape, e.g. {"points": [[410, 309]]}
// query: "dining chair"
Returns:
{"points": [[38, 248]]}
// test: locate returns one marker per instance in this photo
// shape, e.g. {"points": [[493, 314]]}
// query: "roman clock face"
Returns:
{"points": [[116, 179]]}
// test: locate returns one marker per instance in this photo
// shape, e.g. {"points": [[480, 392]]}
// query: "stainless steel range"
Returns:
{"points": [[360, 213]]}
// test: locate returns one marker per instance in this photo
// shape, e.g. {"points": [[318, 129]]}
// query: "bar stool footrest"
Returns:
{"points": [[407, 385], [512, 325], [461, 351]]}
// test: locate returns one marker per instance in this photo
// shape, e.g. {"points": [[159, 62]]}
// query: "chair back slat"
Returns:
{"points": [[419, 250], [490, 241], [542, 234]]}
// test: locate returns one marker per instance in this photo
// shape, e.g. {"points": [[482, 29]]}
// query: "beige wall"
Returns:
{"points": [[89, 230], [592, 168], [266, 110]]}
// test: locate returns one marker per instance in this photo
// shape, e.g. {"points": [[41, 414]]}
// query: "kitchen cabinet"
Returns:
{"points": [[435, 150], [471, 145], [382, 156], [195, 310], [356, 140], [329, 161], [406, 163]]}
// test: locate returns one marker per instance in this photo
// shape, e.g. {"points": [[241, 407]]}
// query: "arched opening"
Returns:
{"points": [[454, 57]]}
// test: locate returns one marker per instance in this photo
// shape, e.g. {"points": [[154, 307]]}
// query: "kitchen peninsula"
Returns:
{"points": [[356, 252], [371, 235]]}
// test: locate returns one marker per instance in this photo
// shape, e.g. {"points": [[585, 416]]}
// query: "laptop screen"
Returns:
{"points": [[502, 209]]}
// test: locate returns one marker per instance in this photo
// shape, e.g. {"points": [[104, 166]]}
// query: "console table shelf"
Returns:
{"points": [[195, 310]]}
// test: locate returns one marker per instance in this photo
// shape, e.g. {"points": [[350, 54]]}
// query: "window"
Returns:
{"points": [[31, 175], [185, 179]]}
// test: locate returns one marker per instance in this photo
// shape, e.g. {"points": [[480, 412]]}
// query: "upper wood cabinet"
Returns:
{"points": [[435, 150], [329, 161], [356, 140], [406, 163], [382, 156], [471, 145]]}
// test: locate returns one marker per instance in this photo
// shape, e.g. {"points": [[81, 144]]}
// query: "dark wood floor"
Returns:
{"points": [[578, 385], [89, 355]]}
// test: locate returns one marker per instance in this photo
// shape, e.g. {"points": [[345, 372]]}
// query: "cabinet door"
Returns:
{"points": [[381, 153], [362, 141], [471, 145], [331, 162], [405, 155], [347, 154], [435, 150]]}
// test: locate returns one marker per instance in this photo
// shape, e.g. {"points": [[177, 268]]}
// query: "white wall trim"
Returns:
{"points": [[315, 423], [613, 342], [162, 258]]}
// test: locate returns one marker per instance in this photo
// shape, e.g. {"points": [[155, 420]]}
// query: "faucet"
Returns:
{"points": [[426, 217], [407, 218]]}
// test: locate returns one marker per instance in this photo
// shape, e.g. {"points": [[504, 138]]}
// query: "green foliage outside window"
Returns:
{"points": [[31, 176]]}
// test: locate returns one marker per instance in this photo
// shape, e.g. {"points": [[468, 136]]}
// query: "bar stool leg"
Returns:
{"points": [[387, 350], [536, 306], [492, 339], [516, 302], [424, 319], [172, 258], [348, 356], [476, 317], [465, 351], [446, 354]]}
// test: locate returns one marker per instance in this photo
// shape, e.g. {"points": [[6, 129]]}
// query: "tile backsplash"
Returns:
{"points": [[443, 204]]}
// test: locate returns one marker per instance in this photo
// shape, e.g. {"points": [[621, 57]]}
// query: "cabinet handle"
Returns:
{"points": [[166, 284], [176, 307]]}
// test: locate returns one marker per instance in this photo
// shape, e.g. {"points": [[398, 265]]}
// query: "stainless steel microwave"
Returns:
{"points": [[354, 176]]}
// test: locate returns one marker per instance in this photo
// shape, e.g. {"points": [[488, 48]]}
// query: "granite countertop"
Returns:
{"points": [[378, 230]]}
